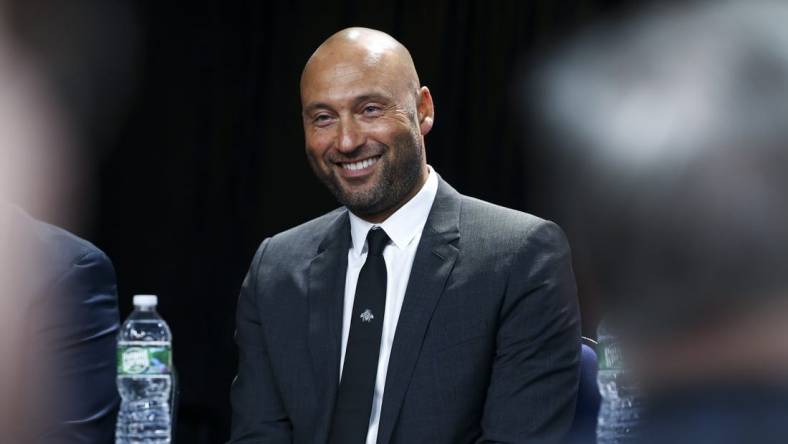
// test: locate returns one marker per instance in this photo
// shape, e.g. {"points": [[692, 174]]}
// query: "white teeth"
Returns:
{"points": [[360, 165]]}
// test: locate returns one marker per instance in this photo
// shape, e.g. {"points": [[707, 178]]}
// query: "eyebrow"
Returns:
{"points": [[371, 97], [315, 106], [356, 100]]}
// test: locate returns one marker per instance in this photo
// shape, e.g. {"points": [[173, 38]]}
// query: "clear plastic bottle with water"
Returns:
{"points": [[621, 408], [145, 376]]}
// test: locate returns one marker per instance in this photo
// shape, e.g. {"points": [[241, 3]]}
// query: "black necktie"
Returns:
{"points": [[354, 399]]}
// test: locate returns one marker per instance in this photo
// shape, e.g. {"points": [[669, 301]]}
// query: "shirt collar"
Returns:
{"points": [[402, 226]]}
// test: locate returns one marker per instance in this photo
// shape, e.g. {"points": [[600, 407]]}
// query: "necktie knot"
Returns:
{"points": [[376, 241]]}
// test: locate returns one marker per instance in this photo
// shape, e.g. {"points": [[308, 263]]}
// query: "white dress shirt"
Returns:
{"points": [[404, 228]]}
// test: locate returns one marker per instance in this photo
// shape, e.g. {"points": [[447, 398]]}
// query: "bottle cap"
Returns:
{"points": [[145, 300]]}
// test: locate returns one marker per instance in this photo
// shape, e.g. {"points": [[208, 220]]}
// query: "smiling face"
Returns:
{"points": [[365, 118]]}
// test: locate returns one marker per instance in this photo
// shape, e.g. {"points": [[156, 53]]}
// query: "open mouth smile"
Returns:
{"points": [[359, 167]]}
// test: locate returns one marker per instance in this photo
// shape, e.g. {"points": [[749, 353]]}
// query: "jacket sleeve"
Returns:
{"points": [[533, 387], [258, 414], [78, 339]]}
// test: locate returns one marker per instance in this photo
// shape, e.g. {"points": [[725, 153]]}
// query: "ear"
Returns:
{"points": [[425, 111]]}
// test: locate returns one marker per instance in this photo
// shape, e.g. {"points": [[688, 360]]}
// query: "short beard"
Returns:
{"points": [[397, 180]]}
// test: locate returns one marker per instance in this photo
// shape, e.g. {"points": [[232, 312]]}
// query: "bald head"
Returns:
{"points": [[365, 117], [365, 49]]}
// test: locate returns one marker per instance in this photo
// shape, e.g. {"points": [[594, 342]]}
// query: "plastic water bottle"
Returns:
{"points": [[621, 408], [145, 376]]}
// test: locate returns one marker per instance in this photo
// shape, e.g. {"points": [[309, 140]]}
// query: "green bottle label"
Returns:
{"points": [[609, 356], [144, 358]]}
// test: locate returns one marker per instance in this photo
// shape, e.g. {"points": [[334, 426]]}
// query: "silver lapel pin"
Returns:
{"points": [[367, 316]]}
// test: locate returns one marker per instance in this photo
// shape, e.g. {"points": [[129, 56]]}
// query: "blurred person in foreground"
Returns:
{"points": [[58, 298], [412, 314], [671, 142], [65, 319]]}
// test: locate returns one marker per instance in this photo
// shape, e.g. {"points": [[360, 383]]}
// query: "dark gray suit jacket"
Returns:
{"points": [[486, 348]]}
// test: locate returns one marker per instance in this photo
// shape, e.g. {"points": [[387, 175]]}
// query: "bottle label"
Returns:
{"points": [[144, 358], [610, 358]]}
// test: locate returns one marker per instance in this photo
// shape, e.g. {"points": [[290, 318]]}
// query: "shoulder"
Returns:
{"points": [[70, 282], [55, 251], [69, 255], [506, 228], [68, 248], [303, 241], [479, 213], [310, 232]]}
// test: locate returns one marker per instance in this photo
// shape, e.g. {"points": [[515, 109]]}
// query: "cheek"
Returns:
{"points": [[317, 162], [395, 137], [317, 146], [388, 130]]}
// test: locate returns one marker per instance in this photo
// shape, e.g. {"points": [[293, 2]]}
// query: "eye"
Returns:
{"points": [[372, 110], [322, 120]]}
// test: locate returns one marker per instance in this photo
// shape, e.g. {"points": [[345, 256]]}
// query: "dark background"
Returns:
{"points": [[207, 158]]}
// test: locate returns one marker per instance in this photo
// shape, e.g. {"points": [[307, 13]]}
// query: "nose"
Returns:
{"points": [[350, 136]]}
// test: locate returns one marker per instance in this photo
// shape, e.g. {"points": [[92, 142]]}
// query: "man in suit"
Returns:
{"points": [[413, 314], [59, 375]]}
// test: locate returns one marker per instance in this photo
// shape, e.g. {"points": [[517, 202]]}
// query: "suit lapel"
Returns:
{"points": [[434, 260], [326, 293]]}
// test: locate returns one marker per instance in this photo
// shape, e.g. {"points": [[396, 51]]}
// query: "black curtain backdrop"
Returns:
{"points": [[210, 160]]}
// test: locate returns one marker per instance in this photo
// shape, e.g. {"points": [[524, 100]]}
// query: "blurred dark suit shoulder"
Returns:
{"points": [[70, 320]]}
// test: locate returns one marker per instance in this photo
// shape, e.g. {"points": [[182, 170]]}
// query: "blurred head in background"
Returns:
{"points": [[33, 165], [669, 134], [66, 72]]}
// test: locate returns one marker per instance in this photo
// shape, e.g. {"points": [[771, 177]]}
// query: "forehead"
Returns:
{"points": [[340, 80]]}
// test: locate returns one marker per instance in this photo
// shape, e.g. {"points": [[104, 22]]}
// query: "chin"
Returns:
{"points": [[358, 191], [362, 204]]}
